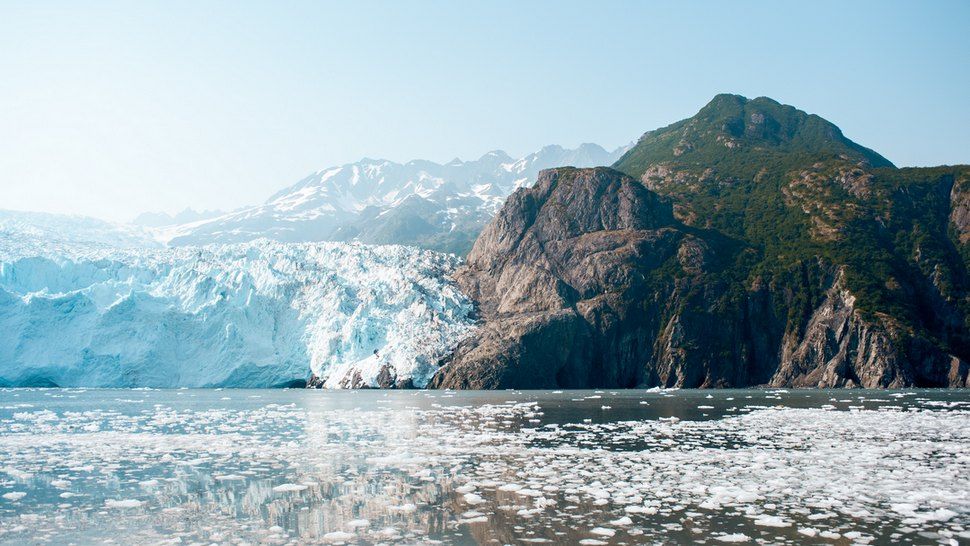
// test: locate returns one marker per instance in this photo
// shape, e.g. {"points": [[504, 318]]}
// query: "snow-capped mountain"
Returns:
{"points": [[160, 219], [254, 314], [437, 206], [28, 229]]}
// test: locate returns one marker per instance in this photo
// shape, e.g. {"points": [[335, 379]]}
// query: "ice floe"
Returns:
{"points": [[407, 467]]}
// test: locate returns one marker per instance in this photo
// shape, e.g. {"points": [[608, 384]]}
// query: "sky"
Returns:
{"points": [[110, 109]]}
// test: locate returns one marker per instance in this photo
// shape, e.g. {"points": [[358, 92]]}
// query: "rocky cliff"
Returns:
{"points": [[752, 244]]}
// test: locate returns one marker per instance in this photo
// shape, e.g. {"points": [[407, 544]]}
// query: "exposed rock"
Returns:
{"points": [[386, 379], [564, 281], [839, 349], [960, 208], [387, 376], [588, 280]]}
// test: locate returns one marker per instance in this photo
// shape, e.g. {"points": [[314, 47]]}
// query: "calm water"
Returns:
{"points": [[574, 467]]}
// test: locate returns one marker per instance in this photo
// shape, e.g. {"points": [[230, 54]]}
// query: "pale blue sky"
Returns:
{"points": [[113, 108]]}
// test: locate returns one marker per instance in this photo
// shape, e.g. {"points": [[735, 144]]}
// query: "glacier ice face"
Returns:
{"points": [[253, 314]]}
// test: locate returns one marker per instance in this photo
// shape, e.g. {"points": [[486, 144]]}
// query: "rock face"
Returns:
{"points": [[840, 349], [750, 245], [571, 283], [586, 280]]}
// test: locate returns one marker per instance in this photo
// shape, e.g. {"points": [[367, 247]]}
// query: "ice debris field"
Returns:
{"points": [[97, 313], [591, 468]]}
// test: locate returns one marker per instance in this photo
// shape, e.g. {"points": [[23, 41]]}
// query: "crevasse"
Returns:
{"points": [[254, 314]]}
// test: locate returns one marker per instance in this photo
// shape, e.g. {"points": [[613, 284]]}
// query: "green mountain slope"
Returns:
{"points": [[752, 243], [803, 196]]}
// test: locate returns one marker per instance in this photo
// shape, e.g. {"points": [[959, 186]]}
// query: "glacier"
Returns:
{"points": [[257, 314]]}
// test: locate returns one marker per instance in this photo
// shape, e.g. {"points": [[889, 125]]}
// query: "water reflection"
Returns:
{"points": [[625, 467]]}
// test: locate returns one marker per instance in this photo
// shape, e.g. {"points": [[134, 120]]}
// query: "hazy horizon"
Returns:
{"points": [[115, 109]]}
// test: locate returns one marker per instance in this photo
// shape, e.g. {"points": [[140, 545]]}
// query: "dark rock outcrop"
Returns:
{"points": [[386, 379], [571, 283], [587, 280]]}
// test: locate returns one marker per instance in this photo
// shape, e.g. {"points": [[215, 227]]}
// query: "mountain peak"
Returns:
{"points": [[495, 154], [723, 101], [730, 127]]}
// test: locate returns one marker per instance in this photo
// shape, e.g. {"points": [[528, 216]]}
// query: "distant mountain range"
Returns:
{"points": [[35, 229], [421, 203], [161, 219]]}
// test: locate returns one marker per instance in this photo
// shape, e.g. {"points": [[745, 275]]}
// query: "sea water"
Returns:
{"points": [[507, 467]]}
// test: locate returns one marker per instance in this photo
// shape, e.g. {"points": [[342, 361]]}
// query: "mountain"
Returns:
{"points": [[256, 314], [161, 219], [750, 244], [421, 203], [35, 228]]}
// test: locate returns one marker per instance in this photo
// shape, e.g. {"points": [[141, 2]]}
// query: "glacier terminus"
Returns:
{"points": [[255, 314]]}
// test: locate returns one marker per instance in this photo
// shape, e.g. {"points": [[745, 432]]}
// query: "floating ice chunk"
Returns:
{"points": [[636, 509], [16, 474], [123, 503], [771, 521], [357, 523], [735, 537], [14, 496], [472, 498], [625, 520], [941, 514], [903, 508], [338, 536], [529, 493], [289, 488], [598, 492], [603, 531]]}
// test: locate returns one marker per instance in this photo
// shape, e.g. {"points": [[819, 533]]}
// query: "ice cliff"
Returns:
{"points": [[254, 314]]}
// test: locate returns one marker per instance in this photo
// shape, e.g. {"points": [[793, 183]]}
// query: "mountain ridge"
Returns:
{"points": [[440, 206], [789, 256]]}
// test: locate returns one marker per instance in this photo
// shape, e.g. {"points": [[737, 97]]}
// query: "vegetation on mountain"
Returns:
{"points": [[793, 188], [802, 258]]}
